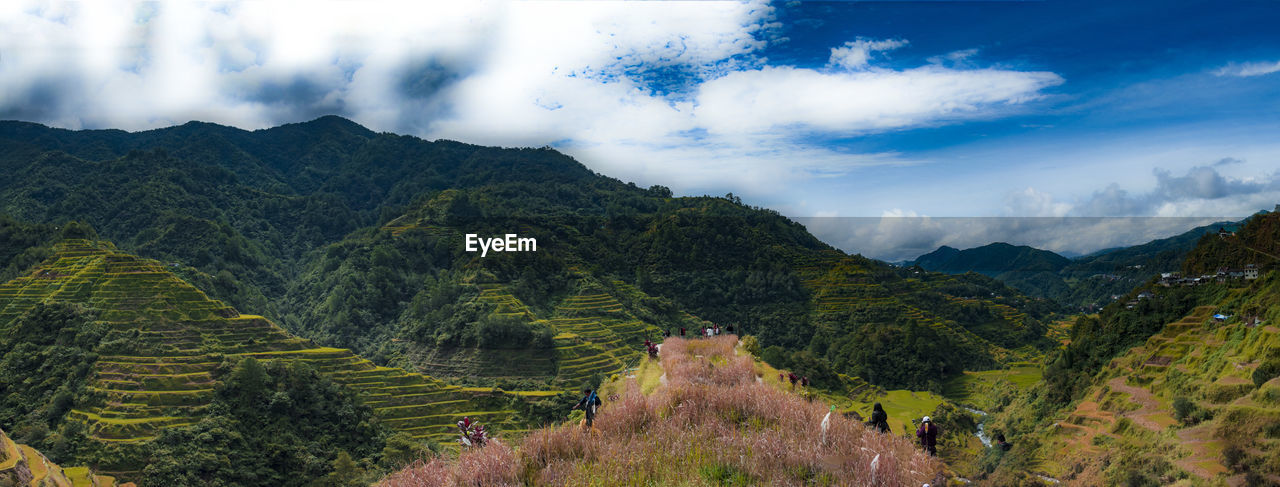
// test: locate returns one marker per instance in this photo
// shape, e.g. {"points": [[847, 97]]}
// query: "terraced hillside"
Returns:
{"points": [[21, 465], [1190, 403], [595, 335], [181, 337], [842, 288]]}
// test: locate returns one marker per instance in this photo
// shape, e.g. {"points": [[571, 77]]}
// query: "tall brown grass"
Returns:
{"points": [[711, 423]]}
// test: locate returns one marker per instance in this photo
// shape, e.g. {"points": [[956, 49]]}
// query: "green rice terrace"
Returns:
{"points": [[22, 465], [840, 287], [186, 335], [595, 337], [1199, 400]]}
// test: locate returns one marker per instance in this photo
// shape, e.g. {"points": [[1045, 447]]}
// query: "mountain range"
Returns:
{"points": [[1084, 283], [136, 259]]}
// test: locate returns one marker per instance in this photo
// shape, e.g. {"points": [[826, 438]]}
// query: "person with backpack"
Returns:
{"points": [[1001, 443], [589, 403], [879, 419], [928, 435]]}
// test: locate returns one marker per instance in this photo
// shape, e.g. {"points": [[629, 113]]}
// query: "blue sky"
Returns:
{"points": [[912, 110]]}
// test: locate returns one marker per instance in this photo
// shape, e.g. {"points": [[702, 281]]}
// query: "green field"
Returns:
{"points": [[976, 388]]}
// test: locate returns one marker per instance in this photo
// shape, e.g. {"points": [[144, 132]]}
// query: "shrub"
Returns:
{"points": [[751, 345], [1182, 408], [1266, 371]]}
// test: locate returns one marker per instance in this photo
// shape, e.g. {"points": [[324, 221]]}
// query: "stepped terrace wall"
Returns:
{"points": [[183, 336]]}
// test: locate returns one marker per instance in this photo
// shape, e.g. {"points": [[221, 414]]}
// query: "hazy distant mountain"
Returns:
{"points": [[1083, 282], [992, 260]]}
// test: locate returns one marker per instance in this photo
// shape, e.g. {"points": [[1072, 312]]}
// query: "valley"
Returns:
{"points": [[308, 312]]}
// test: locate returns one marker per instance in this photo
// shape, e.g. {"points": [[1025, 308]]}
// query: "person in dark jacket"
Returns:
{"points": [[879, 419], [589, 403], [928, 435], [1001, 443]]}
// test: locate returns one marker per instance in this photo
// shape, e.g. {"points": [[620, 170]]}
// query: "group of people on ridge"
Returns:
{"points": [[927, 433], [791, 376], [706, 331]]}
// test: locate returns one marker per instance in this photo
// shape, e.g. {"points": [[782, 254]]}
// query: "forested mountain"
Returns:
{"points": [[286, 221], [992, 260], [1170, 383], [351, 239], [1085, 283]]}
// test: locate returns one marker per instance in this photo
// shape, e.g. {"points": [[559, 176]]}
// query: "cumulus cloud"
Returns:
{"points": [[1202, 190], [658, 92], [857, 54], [1246, 70]]}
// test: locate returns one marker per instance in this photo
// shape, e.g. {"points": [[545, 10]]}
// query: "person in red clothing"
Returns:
{"points": [[928, 435], [791, 376], [804, 381]]}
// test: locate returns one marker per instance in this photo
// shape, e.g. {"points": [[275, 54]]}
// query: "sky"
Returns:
{"points": [[886, 127]]}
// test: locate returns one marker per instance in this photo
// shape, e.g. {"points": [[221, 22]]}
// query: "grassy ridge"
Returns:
{"points": [[710, 422]]}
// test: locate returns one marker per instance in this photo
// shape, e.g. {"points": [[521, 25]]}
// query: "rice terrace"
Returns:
{"points": [[395, 243]]}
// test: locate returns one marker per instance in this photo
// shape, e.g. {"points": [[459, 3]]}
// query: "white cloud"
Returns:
{"points": [[857, 54], [659, 92], [1031, 202], [756, 101], [1245, 70], [1202, 191]]}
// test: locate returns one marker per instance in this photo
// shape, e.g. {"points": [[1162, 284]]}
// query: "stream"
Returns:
{"points": [[982, 432], [986, 441]]}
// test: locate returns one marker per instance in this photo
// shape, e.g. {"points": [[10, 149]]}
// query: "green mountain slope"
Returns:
{"points": [[160, 358], [1173, 384], [992, 260], [644, 262], [348, 237]]}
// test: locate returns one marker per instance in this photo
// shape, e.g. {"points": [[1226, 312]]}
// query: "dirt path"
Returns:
{"points": [[1144, 416]]}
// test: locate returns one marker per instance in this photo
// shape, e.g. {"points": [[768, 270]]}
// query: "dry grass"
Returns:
{"points": [[711, 424]]}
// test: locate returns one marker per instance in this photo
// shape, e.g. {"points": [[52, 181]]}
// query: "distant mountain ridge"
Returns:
{"points": [[1087, 282], [992, 260]]}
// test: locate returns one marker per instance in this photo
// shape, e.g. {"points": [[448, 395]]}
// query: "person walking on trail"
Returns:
{"points": [[928, 435], [589, 403], [879, 419], [682, 332], [791, 376]]}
